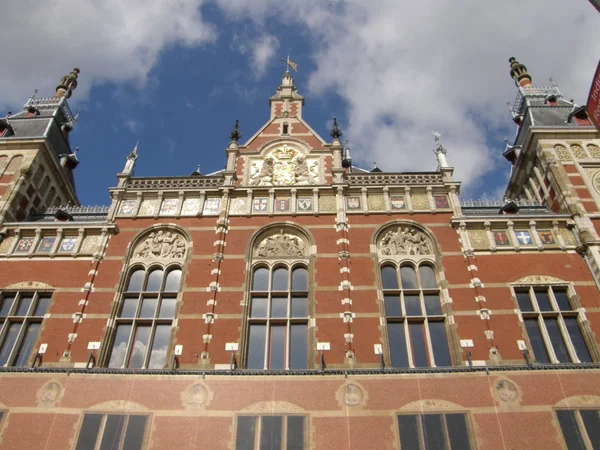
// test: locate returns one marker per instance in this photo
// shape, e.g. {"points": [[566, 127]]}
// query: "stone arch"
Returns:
{"points": [[3, 162], [160, 242], [273, 407], [539, 279], [33, 285], [296, 143], [281, 240], [119, 406], [14, 164], [579, 401], [432, 405], [407, 239]]}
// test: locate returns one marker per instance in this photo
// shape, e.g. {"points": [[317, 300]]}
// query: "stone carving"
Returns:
{"points": [[273, 407], [281, 244], [405, 242], [327, 203], [507, 391], [90, 244], [353, 395], [567, 236], [29, 285], [238, 205], [431, 405], [164, 245], [146, 208], [6, 244], [562, 153], [195, 396], [594, 151], [580, 400], [578, 151], [175, 183], [119, 405], [420, 202], [283, 166], [190, 207], [479, 239], [375, 203], [389, 179], [49, 394], [538, 279]]}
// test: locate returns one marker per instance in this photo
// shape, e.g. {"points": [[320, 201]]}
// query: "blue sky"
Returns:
{"points": [[176, 75]]}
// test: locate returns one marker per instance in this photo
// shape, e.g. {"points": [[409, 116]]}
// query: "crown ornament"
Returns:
{"points": [[285, 153]]}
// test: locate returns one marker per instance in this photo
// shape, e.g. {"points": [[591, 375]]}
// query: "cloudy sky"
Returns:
{"points": [[176, 75]]}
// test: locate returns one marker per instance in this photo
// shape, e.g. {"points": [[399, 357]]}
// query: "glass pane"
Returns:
{"points": [[134, 437], [457, 431], [148, 307], [140, 346], [256, 347], [397, 340], [129, 307], [577, 339], [433, 433], [439, 343], [277, 344], [280, 280], [6, 304], [42, 306], [24, 305], [258, 307], [408, 277], [298, 349], [299, 279], [389, 277], [432, 305], [158, 356], [27, 344], [556, 337], [417, 340], [537, 343], [9, 342], [524, 301], [295, 433], [135, 281], [570, 430], [412, 303], [592, 425], [260, 281], [543, 300], [299, 307], [392, 305], [270, 432], [117, 356], [427, 277], [562, 299], [112, 432], [409, 432], [88, 435], [279, 307], [167, 308], [154, 280], [173, 281], [246, 430]]}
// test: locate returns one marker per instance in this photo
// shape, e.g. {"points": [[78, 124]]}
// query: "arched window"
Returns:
{"points": [[145, 318]]}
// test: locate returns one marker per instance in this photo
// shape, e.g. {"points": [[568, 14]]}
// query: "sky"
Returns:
{"points": [[176, 75]]}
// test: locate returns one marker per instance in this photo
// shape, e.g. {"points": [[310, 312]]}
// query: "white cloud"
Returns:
{"points": [[261, 49]]}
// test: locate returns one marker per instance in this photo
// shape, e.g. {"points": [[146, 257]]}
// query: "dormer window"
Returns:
{"points": [[285, 128]]}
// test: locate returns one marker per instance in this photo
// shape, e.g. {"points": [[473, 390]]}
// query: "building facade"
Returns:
{"points": [[295, 301]]}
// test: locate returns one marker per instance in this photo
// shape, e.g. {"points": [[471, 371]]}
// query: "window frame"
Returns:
{"points": [[284, 428], [418, 414], [581, 427], [102, 426]]}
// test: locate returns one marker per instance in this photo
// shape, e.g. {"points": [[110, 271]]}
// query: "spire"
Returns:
{"points": [[440, 151], [235, 134], [131, 158], [518, 72], [197, 172], [335, 132]]}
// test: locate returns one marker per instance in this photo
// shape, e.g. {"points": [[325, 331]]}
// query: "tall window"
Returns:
{"points": [[434, 431], [415, 322], [21, 316], [145, 319], [580, 428], [551, 321], [112, 431], [270, 433], [278, 318]]}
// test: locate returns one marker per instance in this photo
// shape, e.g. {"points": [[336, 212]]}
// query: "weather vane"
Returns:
{"points": [[289, 63]]}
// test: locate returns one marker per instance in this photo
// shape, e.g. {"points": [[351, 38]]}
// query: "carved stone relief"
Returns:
{"points": [[327, 203], [567, 236], [90, 244], [239, 205], [580, 401], [274, 407], [479, 239], [562, 152], [538, 279], [407, 241], [506, 391], [29, 285], [190, 207], [6, 244], [49, 394], [196, 396], [594, 151], [284, 166], [420, 202], [161, 245], [375, 203], [281, 245], [578, 151], [147, 208], [431, 404]]}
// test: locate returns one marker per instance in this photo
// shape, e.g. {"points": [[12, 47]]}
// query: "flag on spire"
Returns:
{"points": [[290, 63]]}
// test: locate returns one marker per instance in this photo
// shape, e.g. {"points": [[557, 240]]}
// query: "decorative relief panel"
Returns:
{"points": [[161, 245], [284, 166], [282, 204], [567, 236], [562, 152], [327, 203], [578, 151], [305, 204], [169, 207], [127, 207], [6, 244], [147, 207], [211, 206], [390, 179], [407, 241], [479, 239], [281, 245], [190, 207], [90, 244], [238, 205], [420, 201], [594, 151], [376, 203]]}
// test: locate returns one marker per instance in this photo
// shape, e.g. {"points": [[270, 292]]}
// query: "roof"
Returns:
{"points": [[73, 213]]}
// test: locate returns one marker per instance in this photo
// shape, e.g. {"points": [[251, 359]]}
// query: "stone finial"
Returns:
{"points": [[235, 134], [335, 132], [440, 151], [131, 158], [518, 72], [67, 85]]}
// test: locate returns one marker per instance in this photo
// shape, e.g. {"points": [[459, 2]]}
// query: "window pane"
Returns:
{"points": [[27, 344], [457, 431], [277, 344], [524, 301], [577, 339], [543, 300], [135, 281], [24, 305], [592, 426], [279, 307], [129, 307], [158, 356], [173, 281], [256, 347], [6, 304], [299, 307], [432, 305], [88, 435], [562, 299], [570, 430], [260, 282], [9, 342], [433, 433], [298, 346], [409, 432], [154, 280], [397, 340], [246, 430], [295, 433], [117, 356], [112, 432], [140, 346], [409, 277], [417, 340], [392, 306], [300, 279], [412, 303], [439, 343], [537, 343], [42, 306], [258, 307], [134, 437], [389, 277], [427, 277], [167, 308], [270, 432], [148, 307], [280, 280], [558, 343]]}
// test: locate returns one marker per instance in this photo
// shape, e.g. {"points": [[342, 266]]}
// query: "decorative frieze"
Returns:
{"points": [[281, 245], [405, 241], [393, 179], [175, 183]]}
